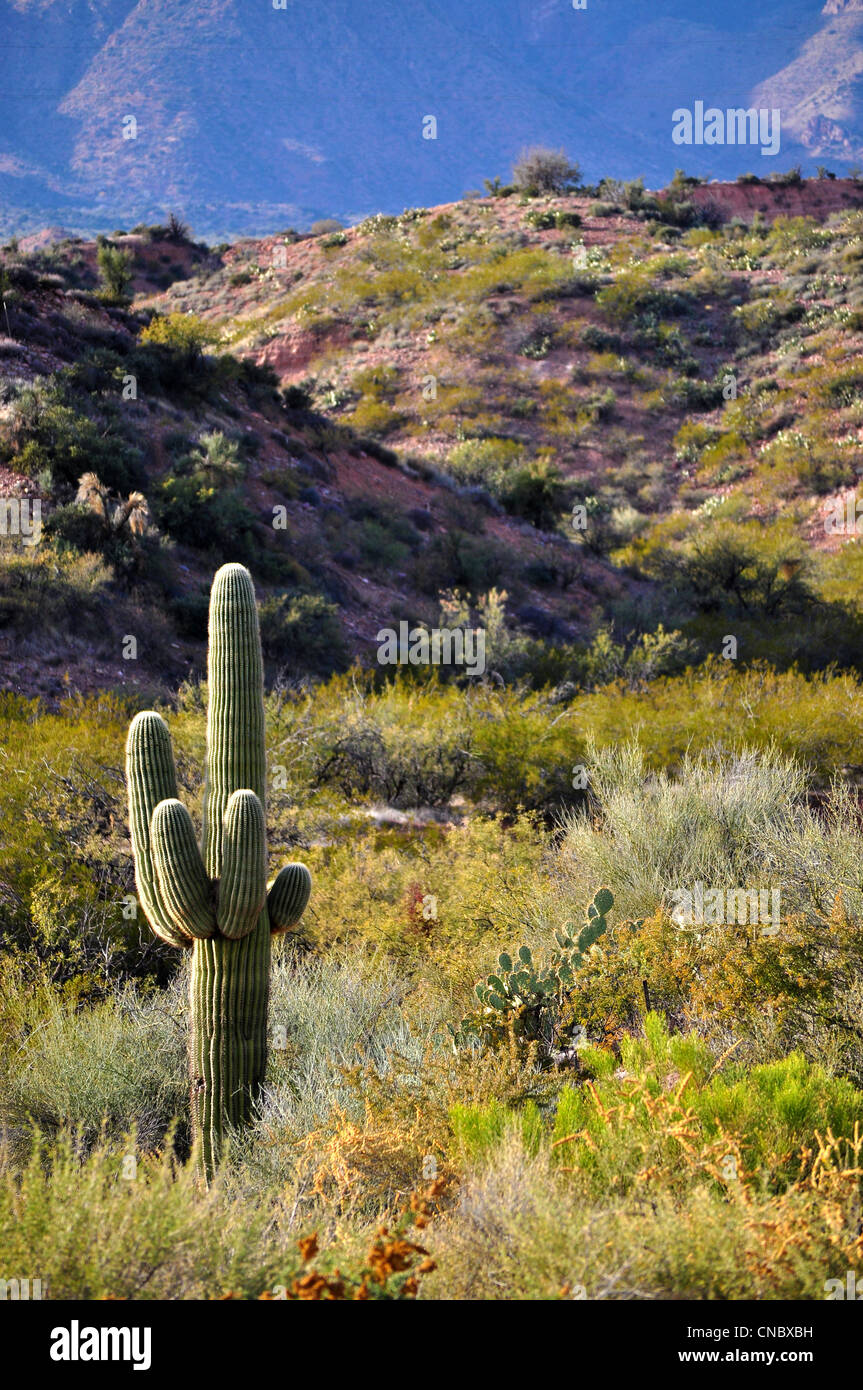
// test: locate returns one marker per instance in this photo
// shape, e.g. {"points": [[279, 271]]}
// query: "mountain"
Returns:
{"points": [[821, 92], [249, 117]]}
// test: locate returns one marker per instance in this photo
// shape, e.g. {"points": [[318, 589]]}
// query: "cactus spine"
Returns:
{"points": [[215, 899]]}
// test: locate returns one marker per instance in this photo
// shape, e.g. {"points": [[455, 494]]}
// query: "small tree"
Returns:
{"points": [[540, 170], [115, 267], [177, 230]]}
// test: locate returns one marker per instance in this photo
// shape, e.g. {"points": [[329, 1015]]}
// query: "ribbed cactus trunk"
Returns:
{"points": [[216, 899]]}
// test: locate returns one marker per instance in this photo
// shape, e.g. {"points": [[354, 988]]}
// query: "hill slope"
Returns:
{"points": [[612, 428]]}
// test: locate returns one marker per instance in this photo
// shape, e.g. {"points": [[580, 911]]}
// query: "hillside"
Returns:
{"points": [[570, 401]]}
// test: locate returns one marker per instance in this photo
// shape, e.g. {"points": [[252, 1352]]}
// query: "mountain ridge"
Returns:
{"points": [[245, 122]]}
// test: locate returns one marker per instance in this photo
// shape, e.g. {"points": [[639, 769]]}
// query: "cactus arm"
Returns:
{"points": [[243, 885], [288, 895], [183, 886], [235, 713], [150, 778]]}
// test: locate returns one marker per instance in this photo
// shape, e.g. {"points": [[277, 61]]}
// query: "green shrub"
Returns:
{"points": [[49, 435], [47, 586], [195, 512], [303, 631], [480, 1129], [535, 491], [457, 560], [186, 335], [115, 267]]}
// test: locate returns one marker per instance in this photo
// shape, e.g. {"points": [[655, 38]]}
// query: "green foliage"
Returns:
{"points": [[115, 267], [637, 292], [532, 488], [545, 218], [303, 630], [766, 1114], [197, 512], [535, 491], [50, 585], [730, 565], [461, 560], [480, 1129], [184, 335], [94, 1070], [49, 434]]}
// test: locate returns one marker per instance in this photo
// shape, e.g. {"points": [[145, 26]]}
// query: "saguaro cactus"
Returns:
{"points": [[216, 899]]}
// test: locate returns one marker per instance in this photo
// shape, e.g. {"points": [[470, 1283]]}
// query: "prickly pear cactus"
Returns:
{"points": [[215, 899], [524, 995]]}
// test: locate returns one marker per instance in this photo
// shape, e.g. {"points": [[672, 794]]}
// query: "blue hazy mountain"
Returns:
{"points": [[249, 116]]}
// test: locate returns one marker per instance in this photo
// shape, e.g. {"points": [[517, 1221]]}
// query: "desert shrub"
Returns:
{"points": [[643, 1210], [76, 526], [97, 1070], [804, 461], [48, 433], [635, 293], [545, 218], [485, 462], [767, 1114], [723, 564], [634, 661], [92, 1234], [190, 615], [337, 1011], [303, 632], [541, 170], [537, 344], [183, 334], [297, 397], [662, 832], [455, 559], [535, 491], [478, 1130], [196, 512], [375, 417], [47, 586], [760, 320], [790, 178]]}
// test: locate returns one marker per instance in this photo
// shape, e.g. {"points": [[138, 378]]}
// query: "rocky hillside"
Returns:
{"points": [[612, 426]]}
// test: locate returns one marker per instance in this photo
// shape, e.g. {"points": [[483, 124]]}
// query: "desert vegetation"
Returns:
{"points": [[614, 430]]}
